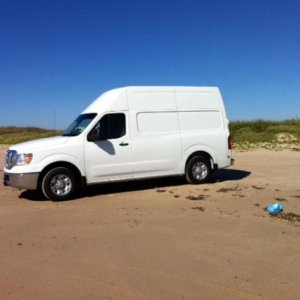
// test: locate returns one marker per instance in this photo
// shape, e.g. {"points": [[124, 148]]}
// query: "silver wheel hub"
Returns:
{"points": [[199, 170], [60, 185]]}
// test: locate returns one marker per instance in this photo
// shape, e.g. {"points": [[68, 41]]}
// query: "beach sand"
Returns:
{"points": [[158, 239]]}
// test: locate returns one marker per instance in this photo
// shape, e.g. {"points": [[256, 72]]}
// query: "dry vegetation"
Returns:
{"points": [[262, 134], [246, 135], [13, 135]]}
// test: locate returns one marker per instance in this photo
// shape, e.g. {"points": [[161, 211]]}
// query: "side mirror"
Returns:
{"points": [[93, 136]]}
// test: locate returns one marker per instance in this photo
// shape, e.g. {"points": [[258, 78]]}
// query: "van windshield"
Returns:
{"points": [[79, 124]]}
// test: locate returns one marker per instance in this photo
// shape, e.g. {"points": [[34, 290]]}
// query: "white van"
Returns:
{"points": [[128, 133]]}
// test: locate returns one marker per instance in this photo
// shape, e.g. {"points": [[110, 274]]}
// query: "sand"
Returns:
{"points": [[159, 239]]}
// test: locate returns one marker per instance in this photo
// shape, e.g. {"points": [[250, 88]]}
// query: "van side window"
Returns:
{"points": [[110, 126]]}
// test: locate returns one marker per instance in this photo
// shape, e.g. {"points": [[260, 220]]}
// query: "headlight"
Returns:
{"points": [[12, 158], [23, 159]]}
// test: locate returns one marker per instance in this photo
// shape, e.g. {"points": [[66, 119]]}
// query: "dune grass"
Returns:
{"points": [[246, 135], [277, 135], [13, 135]]}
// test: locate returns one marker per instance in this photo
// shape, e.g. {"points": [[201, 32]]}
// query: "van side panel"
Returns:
{"points": [[157, 122], [160, 99], [202, 124], [197, 98], [156, 147], [200, 120]]}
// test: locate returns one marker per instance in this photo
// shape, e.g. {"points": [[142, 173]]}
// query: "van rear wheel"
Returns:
{"points": [[198, 169], [58, 184]]}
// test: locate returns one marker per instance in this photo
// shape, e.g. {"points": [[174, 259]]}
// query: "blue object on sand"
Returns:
{"points": [[275, 208]]}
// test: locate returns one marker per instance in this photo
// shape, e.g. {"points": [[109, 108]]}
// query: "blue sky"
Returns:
{"points": [[58, 56]]}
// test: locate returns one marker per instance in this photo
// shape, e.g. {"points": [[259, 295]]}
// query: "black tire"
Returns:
{"points": [[198, 169], [58, 184]]}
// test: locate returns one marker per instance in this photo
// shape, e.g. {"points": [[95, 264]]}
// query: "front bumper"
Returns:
{"points": [[26, 181]]}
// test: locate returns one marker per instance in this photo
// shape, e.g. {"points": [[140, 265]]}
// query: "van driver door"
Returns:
{"points": [[108, 149]]}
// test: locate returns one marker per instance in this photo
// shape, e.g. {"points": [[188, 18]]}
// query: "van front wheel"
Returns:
{"points": [[198, 170], [58, 184]]}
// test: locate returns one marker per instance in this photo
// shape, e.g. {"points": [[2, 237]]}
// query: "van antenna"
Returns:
{"points": [[54, 119]]}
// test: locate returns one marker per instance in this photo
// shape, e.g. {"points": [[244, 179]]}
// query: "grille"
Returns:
{"points": [[10, 159]]}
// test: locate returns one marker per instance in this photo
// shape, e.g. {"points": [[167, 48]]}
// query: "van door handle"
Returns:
{"points": [[123, 144]]}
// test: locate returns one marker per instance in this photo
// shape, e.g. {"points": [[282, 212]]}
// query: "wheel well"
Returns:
{"points": [[202, 153], [70, 166]]}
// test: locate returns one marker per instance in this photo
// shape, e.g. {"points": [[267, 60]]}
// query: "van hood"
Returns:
{"points": [[34, 145]]}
